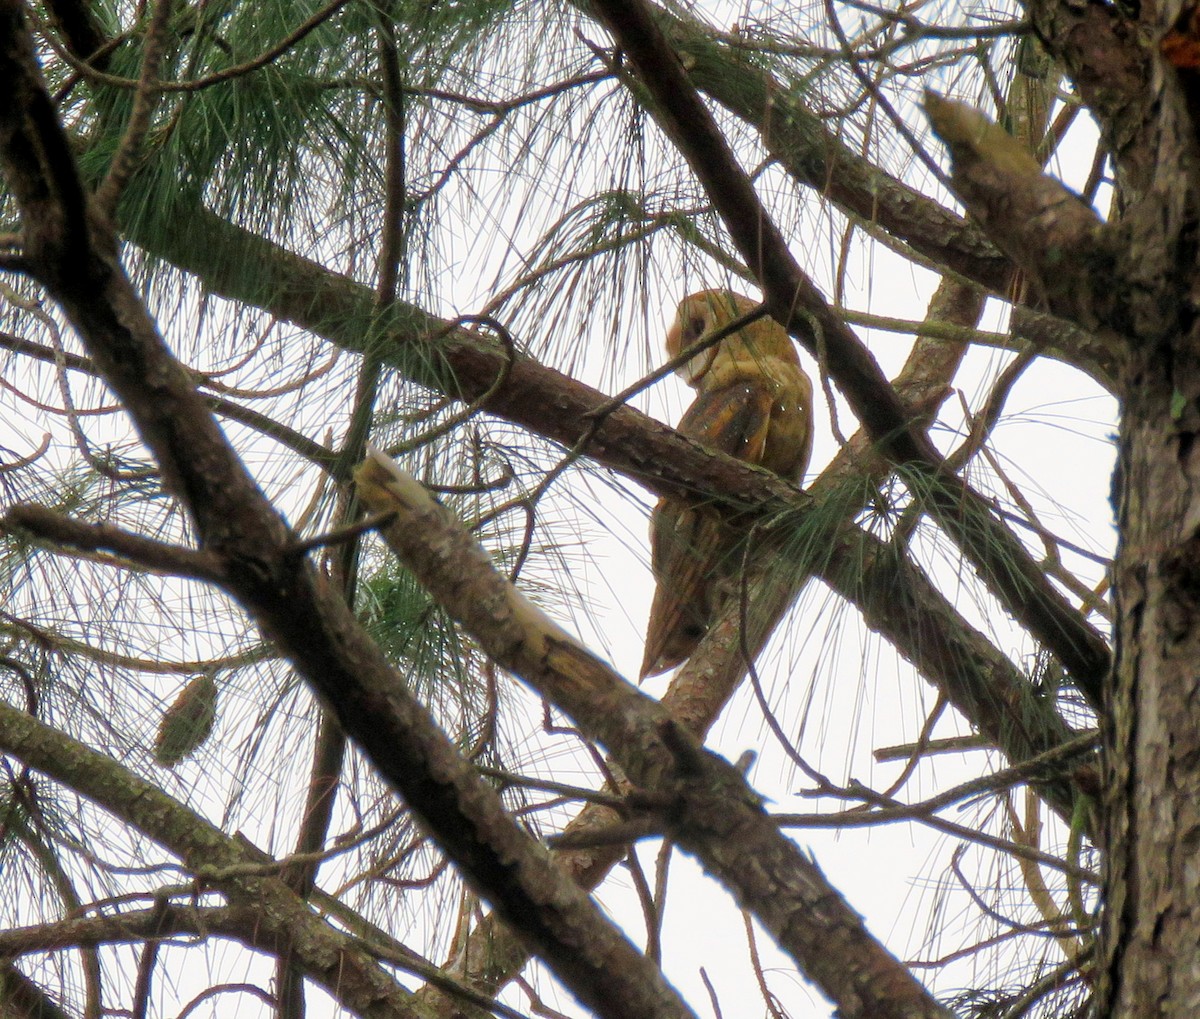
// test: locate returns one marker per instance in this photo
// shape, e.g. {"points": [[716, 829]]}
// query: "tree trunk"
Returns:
{"points": [[1152, 920]]}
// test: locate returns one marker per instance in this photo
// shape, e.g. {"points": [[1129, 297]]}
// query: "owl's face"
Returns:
{"points": [[702, 313]]}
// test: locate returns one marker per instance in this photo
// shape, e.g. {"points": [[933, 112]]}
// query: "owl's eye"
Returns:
{"points": [[695, 328]]}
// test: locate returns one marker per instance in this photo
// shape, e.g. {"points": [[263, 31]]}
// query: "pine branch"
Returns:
{"points": [[805, 146], [72, 252], [242, 923], [1065, 250], [346, 971], [715, 815], [146, 553]]}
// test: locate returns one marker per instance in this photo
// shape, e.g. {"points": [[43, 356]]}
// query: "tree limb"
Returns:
{"points": [[805, 146], [241, 923], [73, 253], [716, 815], [153, 555], [1066, 251], [349, 974]]}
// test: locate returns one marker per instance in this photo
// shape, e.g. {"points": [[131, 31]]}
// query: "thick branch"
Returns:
{"points": [[714, 814], [73, 253], [1061, 244], [814, 155], [349, 973], [1064, 341], [1107, 55], [241, 923], [465, 365]]}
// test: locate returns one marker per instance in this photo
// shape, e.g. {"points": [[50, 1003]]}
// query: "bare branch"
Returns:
{"points": [[717, 816], [144, 552], [1064, 248]]}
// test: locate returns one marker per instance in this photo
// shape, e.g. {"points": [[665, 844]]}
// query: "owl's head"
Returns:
{"points": [[703, 313]]}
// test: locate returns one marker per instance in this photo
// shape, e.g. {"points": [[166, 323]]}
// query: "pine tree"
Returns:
{"points": [[336, 398]]}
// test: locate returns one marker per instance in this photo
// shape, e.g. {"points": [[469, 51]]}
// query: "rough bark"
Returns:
{"points": [[1152, 915], [1151, 928]]}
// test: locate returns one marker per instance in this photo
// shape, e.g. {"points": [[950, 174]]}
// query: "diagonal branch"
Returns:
{"points": [[145, 552], [72, 252], [21, 998], [1066, 251], [1002, 560], [242, 923], [431, 352], [712, 813], [349, 973], [805, 146]]}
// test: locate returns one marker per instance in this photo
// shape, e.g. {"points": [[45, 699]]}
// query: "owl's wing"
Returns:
{"points": [[734, 418], [761, 418], [758, 409], [690, 546]]}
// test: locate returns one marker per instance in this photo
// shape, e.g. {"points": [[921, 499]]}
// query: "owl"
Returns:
{"points": [[753, 401]]}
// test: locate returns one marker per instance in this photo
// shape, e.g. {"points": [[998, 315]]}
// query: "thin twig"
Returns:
{"points": [[145, 102]]}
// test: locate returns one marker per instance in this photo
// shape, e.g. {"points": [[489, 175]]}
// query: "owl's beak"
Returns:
{"points": [[693, 370]]}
